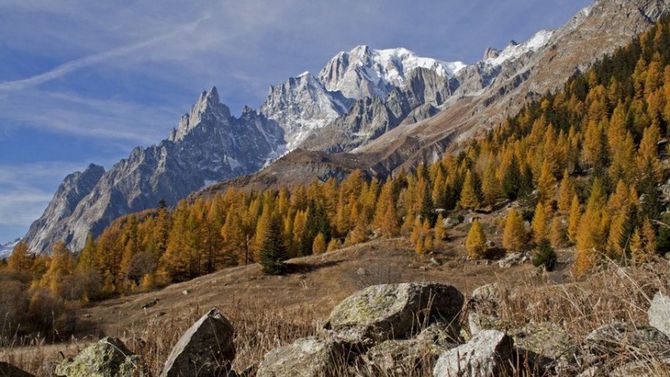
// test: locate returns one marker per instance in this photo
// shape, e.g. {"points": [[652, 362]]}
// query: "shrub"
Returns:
{"points": [[545, 256]]}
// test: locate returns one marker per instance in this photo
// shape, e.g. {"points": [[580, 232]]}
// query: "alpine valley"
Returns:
{"points": [[385, 109]]}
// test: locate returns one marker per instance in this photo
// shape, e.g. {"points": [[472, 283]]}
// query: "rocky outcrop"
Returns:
{"points": [[208, 146], [206, 348], [393, 311], [489, 353], [659, 313], [308, 357], [302, 105], [109, 357]]}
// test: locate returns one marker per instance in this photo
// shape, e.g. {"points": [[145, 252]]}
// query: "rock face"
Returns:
{"points": [[302, 105], [308, 357], [109, 357], [659, 313], [206, 348], [8, 370], [393, 311], [209, 145], [488, 353]]}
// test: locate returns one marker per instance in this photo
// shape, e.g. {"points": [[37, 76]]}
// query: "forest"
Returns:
{"points": [[580, 168]]}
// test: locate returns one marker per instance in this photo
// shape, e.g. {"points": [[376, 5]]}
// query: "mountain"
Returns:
{"points": [[301, 105], [209, 145], [7, 248], [391, 108], [385, 83], [502, 83]]}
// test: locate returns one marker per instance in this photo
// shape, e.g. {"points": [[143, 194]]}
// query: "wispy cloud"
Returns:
{"points": [[101, 57]]}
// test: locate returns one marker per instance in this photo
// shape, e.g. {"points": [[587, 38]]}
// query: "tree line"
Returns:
{"points": [[582, 165]]}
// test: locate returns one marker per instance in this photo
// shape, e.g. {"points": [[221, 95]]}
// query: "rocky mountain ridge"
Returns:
{"points": [[209, 145]]}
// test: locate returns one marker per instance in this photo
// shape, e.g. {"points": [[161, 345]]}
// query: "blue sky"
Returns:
{"points": [[85, 81]]}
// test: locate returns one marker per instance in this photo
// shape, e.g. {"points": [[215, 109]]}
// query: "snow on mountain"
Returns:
{"points": [[6, 249], [514, 50], [301, 105], [365, 72]]}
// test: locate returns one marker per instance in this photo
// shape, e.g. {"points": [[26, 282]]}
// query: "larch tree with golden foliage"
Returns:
{"points": [[514, 233], [469, 198], [20, 260], [475, 242]]}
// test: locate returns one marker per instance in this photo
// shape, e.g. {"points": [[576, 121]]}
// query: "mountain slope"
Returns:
{"points": [[546, 62], [209, 145]]}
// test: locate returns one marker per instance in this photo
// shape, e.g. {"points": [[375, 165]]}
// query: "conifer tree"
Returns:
{"points": [[475, 242], [439, 231], [557, 233], [87, 256], [539, 224], [469, 198], [565, 193], [546, 182], [272, 252], [319, 245], [514, 234], [20, 259], [574, 217]]}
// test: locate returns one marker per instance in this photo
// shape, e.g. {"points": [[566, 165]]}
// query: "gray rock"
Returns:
{"points": [[627, 339], [393, 311], [512, 259], [659, 313], [489, 353], [109, 357], [483, 309], [402, 356], [8, 370], [308, 357], [545, 339], [206, 348]]}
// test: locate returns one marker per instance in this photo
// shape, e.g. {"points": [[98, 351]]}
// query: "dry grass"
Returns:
{"points": [[268, 312]]}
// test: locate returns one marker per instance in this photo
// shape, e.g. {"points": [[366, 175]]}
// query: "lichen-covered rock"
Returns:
{"points": [[627, 339], [397, 356], [109, 357], [8, 370], [393, 311], [546, 339], [206, 348], [489, 353], [307, 357], [659, 313], [483, 309]]}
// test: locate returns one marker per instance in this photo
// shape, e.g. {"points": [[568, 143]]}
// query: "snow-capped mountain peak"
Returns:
{"points": [[364, 72]]}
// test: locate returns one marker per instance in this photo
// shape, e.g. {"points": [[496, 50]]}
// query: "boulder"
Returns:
{"points": [[659, 313], [307, 357], [206, 348], [8, 370], [393, 311], [109, 357], [394, 357], [621, 338], [488, 353], [483, 309], [512, 259], [545, 339]]}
